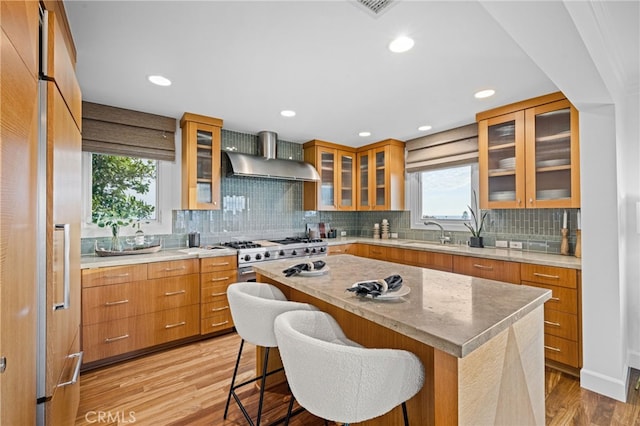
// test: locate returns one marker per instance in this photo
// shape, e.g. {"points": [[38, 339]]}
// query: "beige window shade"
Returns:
{"points": [[118, 131], [448, 148]]}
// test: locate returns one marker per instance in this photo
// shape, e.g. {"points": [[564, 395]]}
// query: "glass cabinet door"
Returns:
{"points": [[204, 174], [363, 176], [380, 183], [327, 179], [551, 153], [346, 181], [501, 143]]}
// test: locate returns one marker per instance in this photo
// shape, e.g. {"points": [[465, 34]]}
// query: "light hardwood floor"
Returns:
{"points": [[189, 385]]}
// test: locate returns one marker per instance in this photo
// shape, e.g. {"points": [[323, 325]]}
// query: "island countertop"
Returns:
{"points": [[453, 313]]}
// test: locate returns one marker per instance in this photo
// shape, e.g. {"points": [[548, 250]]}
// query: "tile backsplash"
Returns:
{"points": [[259, 208]]}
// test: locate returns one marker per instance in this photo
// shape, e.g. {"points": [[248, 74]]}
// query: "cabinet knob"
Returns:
{"points": [[519, 201], [530, 200]]}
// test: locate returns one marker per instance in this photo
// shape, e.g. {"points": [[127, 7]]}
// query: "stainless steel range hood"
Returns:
{"points": [[267, 165]]}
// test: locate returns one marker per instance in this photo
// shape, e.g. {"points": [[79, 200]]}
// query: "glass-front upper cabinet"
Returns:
{"points": [[553, 157], [381, 176], [529, 158], [363, 179], [501, 159], [336, 166], [200, 162]]}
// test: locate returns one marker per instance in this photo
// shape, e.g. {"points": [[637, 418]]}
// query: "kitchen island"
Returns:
{"points": [[480, 341]]}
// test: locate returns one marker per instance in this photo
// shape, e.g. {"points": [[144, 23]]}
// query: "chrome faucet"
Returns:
{"points": [[443, 239]]}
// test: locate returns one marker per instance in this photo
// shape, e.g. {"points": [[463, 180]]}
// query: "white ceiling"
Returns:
{"points": [[246, 61]]}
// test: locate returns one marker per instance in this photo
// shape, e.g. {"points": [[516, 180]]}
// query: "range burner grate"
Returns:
{"points": [[241, 244]]}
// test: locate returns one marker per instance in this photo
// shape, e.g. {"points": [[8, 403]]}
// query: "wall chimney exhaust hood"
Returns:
{"points": [[267, 165]]}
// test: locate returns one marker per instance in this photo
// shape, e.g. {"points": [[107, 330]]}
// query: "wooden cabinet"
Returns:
{"points": [[562, 313], [380, 169], [130, 308], [432, 260], [499, 270], [216, 275], [529, 154], [343, 249], [200, 162], [336, 165]]}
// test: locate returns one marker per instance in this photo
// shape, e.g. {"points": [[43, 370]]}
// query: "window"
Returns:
{"points": [[443, 194], [127, 186]]}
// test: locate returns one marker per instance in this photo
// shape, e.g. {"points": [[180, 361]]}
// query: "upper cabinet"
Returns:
{"points": [[200, 162], [336, 166], [381, 176], [529, 155]]}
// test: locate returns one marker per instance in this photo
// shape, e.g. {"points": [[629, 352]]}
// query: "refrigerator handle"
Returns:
{"points": [[76, 371], [66, 273]]}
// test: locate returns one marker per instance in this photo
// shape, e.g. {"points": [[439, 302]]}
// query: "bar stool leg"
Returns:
{"points": [[404, 413], [233, 379], [263, 384]]}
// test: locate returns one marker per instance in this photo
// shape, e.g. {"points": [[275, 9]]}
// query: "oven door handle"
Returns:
{"points": [[247, 272]]}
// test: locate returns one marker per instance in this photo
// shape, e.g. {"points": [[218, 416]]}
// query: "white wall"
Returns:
{"points": [[589, 50]]}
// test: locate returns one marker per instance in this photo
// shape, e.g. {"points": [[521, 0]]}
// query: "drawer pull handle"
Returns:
{"points": [[117, 302], [555, 324], [219, 279], [551, 348], [337, 251], [488, 268], [218, 294], [552, 277], [218, 324], [115, 339], [219, 309], [178, 324], [219, 264], [555, 299], [180, 268], [173, 293], [126, 274]]}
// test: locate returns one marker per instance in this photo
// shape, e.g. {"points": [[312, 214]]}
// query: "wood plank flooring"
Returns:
{"points": [[189, 385]]}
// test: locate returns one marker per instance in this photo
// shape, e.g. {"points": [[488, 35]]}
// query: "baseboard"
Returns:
{"points": [[612, 387]]}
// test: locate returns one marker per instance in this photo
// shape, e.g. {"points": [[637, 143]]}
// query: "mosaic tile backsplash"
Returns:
{"points": [[259, 208]]}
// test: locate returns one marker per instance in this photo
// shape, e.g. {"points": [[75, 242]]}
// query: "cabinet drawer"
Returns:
{"points": [[341, 249], [108, 303], [561, 350], [563, 277], [218, 278], [562, 298], [400, 255], [113, 275], [211, 293], [117, 337], [560, 324], [172, 268], [377, 252], [498, 270], [431, 260], [222, 263], [217, 322], [221, 305]]}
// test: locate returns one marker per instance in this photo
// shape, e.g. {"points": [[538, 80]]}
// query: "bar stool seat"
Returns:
{"points": [[336, 379], [254, 307]]}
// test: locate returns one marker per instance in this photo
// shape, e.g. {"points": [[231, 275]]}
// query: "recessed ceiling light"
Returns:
{"points": [[364, 134], [401, 44], [485, 93], [424, 128], [159, 80], [287, 113]]}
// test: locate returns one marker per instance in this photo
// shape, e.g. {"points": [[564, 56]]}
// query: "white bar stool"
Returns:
{"points": [[335, 378], [254, 307]]}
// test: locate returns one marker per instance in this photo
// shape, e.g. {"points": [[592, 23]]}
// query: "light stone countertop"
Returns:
{"points": [[454, 313], [463, 250], [94, 261]]}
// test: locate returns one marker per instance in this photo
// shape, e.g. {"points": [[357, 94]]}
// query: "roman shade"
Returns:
{"points": [[117, 131], [449, 148]]}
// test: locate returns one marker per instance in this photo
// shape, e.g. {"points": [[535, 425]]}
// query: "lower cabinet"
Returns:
{"points": [[215, 314], [130, 308], [499, 270]]}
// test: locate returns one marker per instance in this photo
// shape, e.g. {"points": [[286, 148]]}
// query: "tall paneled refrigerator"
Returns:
{"points": [[58, 250]]}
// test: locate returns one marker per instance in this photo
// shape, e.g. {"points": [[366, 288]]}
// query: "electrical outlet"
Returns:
{"points": [[343, 233], [516, 245], [501, 244], [394, 235]]}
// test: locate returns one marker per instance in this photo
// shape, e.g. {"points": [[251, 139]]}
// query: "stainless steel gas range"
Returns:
{"points": [[252, 252]]}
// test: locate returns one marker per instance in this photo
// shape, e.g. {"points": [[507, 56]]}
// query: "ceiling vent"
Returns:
{"points": [[375, 7]]}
